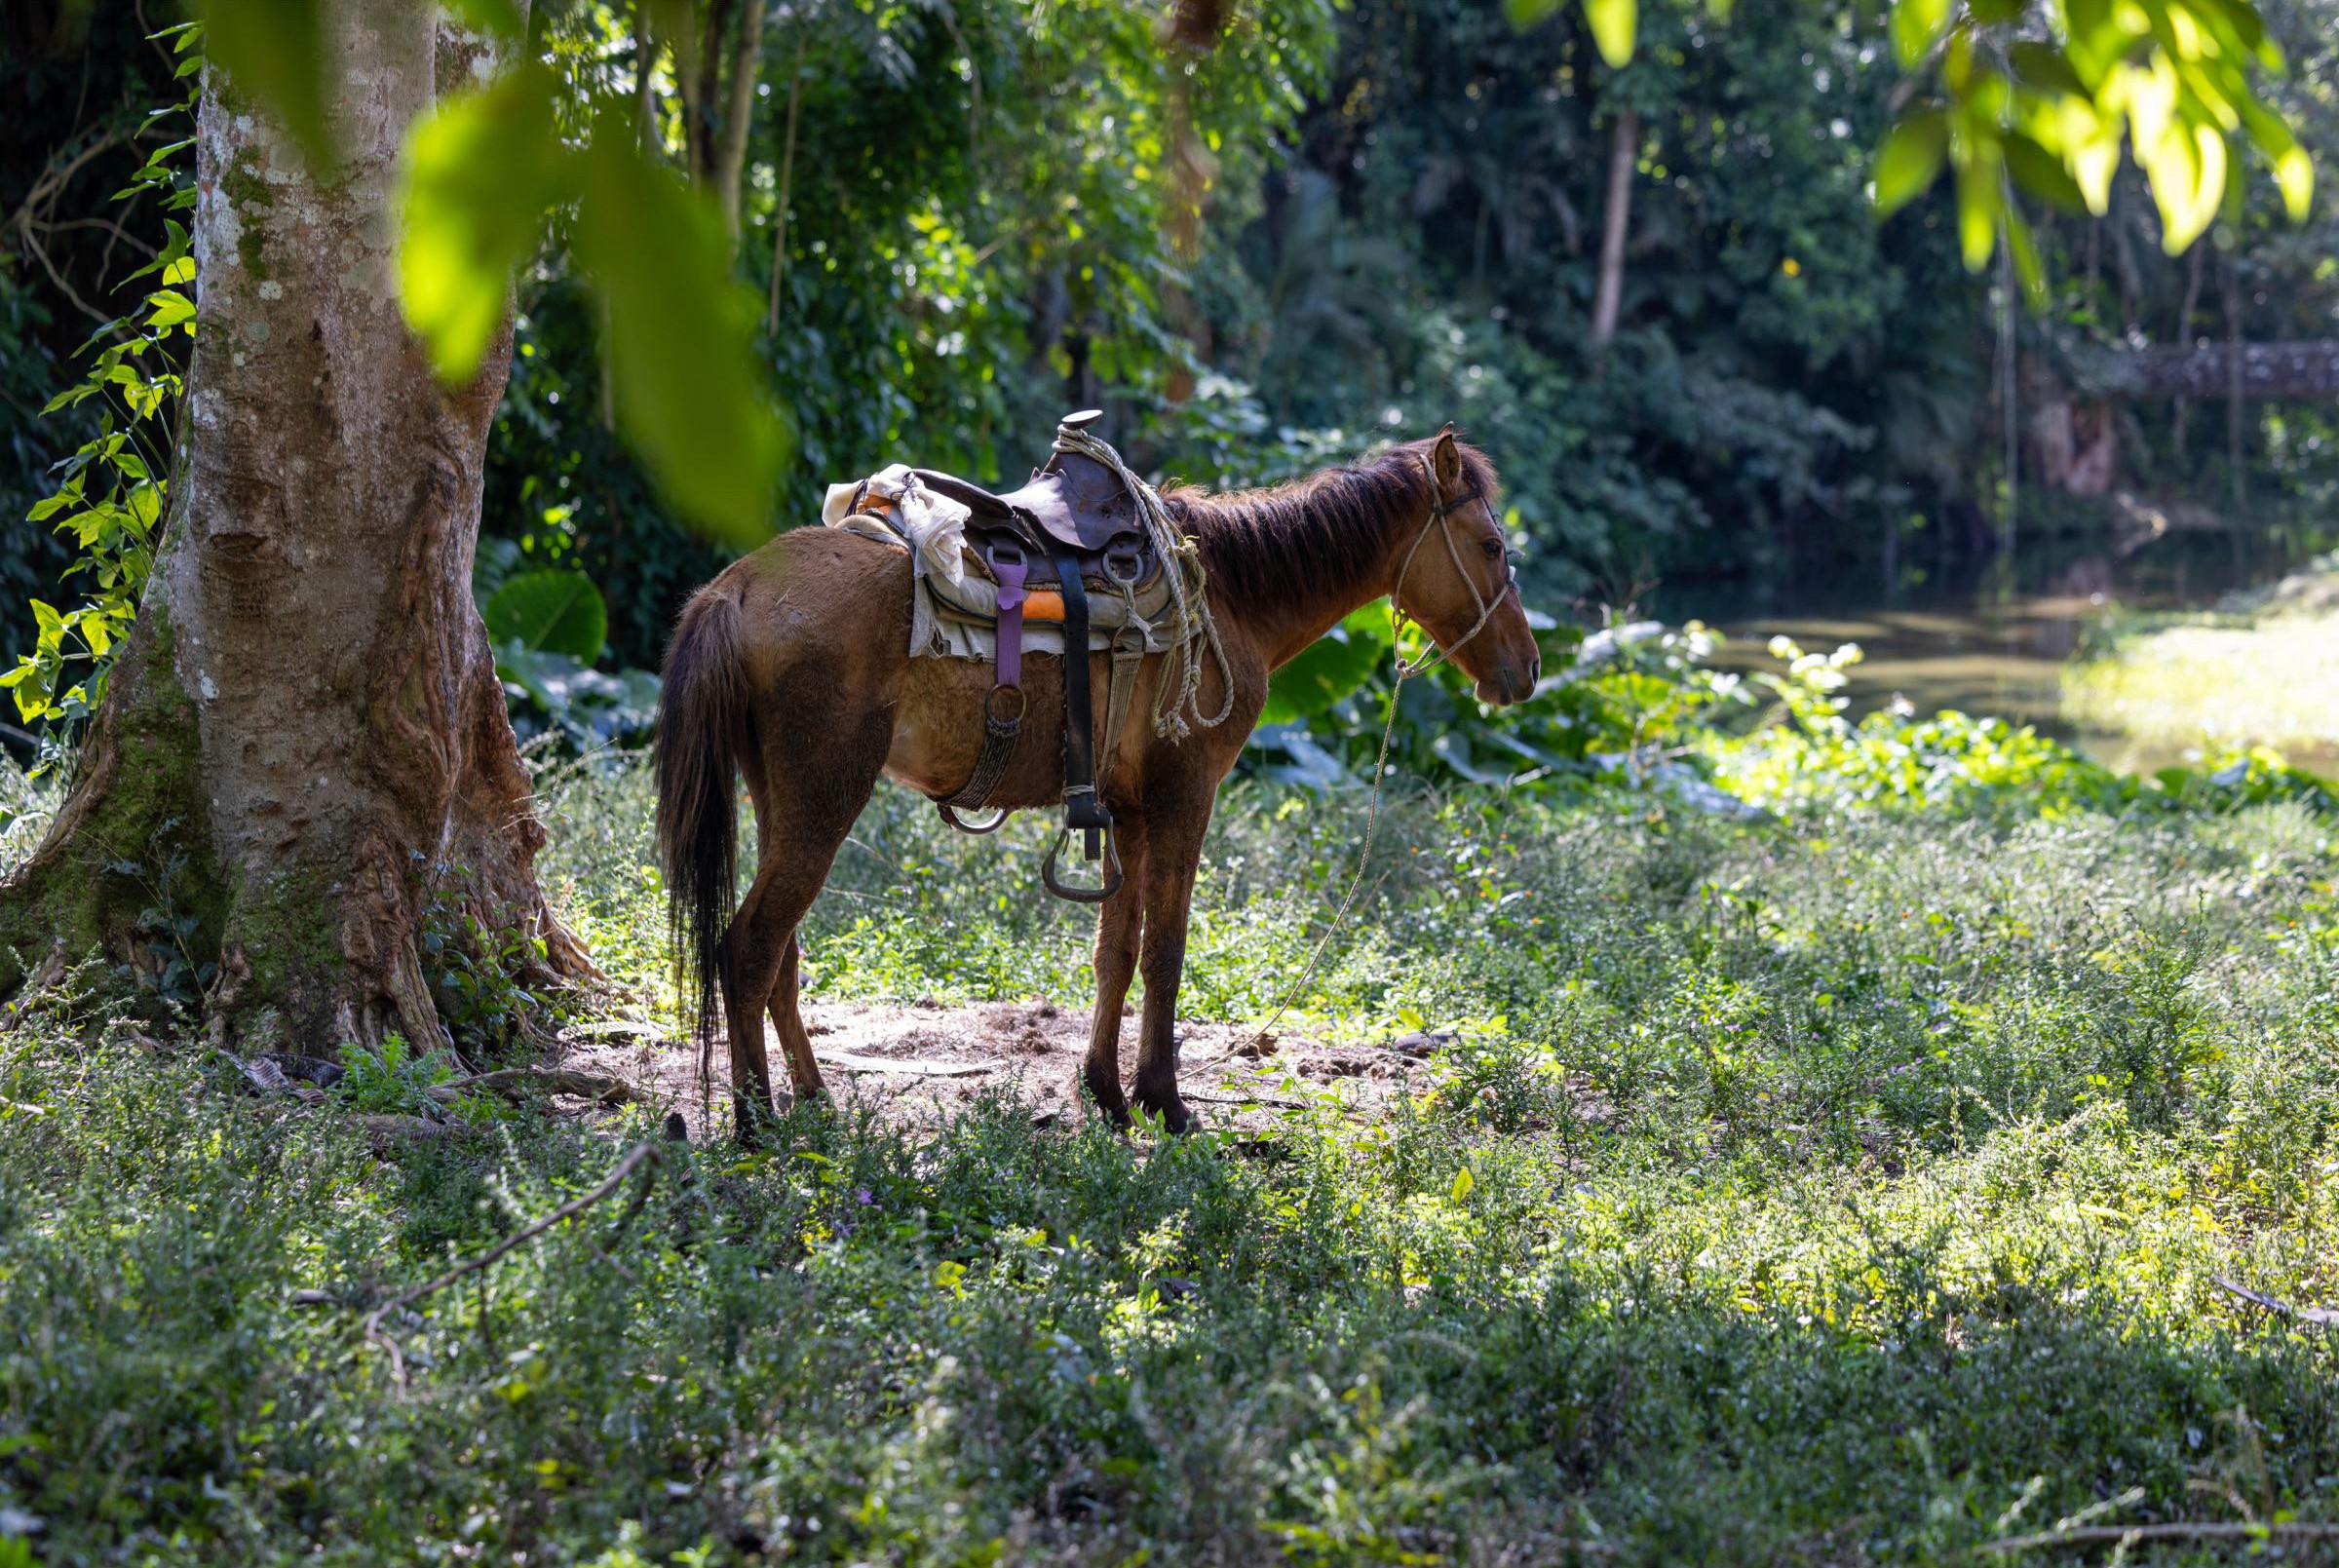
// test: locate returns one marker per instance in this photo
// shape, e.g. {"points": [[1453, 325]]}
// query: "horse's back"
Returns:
{"points": [[825, 606]]}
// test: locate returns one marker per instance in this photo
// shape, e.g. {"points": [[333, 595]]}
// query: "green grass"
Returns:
{"points": [[1834, 1190], [2269, 677]]}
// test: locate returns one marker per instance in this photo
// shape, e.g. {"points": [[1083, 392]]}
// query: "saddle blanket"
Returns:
{"points": [[954, 603]]}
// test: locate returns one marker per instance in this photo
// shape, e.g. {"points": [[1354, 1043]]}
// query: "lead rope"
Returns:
{"points": [[1439, 510], [1372, 822]]}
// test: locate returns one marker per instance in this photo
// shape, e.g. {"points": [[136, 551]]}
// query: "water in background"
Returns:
{"points": [[1995, 640]]}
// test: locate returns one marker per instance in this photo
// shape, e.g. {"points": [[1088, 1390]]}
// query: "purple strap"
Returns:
{"points": [[1010, 621]]}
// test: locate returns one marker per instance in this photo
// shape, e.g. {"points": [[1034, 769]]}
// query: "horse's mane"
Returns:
{"points": [[1289, 547]]}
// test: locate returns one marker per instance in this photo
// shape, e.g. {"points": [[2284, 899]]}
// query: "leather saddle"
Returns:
{"points": [[1076, 520], [1073, 506]]}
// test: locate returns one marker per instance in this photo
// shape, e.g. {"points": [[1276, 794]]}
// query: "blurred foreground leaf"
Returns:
{"points": [[681, 338], [273, 50], [1912, 156], [479, 175], [1613, 23]]}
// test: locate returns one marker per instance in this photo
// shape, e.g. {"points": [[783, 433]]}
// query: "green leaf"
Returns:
{"points": [[1911, 160], [681, 338], [550, 612], [480, 174], [1463, 1182], [2047, 68], [170, 307], [1980, 195], [2041, 173], [1525, 14], [2293, 169], [498, 17], [274, 50], [2186, 167], [1613, 25], [1328, 668], [1917, 24]]}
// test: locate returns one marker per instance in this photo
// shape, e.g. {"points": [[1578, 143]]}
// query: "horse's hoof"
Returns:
{"points": [[753, 1117], [1175, 1117], [1106, 1094]]}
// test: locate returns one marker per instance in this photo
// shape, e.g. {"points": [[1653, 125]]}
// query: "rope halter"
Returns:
{"points": [[1441, 510]]}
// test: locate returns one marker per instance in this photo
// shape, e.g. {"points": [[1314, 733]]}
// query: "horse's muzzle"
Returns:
{"points": [[1511, 682]]}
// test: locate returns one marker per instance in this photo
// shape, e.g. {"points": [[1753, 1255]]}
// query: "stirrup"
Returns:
{"points": [[1080, 894]]}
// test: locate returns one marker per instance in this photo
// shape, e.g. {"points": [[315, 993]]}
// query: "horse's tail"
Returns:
{"points": [[704, 728]]}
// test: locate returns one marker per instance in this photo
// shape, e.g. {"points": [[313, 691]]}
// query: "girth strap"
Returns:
{"points": [[1082, 809]]}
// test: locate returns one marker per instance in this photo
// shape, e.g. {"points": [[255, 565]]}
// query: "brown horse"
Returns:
{"points": [[793, 667]]}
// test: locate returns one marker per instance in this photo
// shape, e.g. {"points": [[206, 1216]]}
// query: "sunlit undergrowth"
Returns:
{"points": [[1840, 1190], [2269, 672]]}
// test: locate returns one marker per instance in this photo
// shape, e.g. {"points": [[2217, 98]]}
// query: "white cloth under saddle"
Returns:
{"points": [[954, 604]]}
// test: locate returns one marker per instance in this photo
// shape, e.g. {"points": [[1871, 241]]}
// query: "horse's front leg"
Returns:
{"points": [[1119, 920], [1173, 853]]}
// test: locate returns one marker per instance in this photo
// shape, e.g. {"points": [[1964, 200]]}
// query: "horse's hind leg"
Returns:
{"points": [[796, 1042], [760, 970], [806, 800]]}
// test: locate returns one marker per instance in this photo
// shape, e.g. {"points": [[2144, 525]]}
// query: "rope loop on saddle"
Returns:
{"points": [[1177, 706]]}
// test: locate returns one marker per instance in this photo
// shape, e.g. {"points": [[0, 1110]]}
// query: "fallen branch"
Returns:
{"points": [[513, 1083], [640, 1154], [2112, 1535], [385, 1131], [2322, 1317], [904, 1067], [1201, 1098]]}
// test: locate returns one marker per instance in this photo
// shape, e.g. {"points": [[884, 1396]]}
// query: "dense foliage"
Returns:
{"points": [[1274, 244]]}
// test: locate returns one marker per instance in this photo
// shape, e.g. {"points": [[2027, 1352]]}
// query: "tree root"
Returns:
{"points": [[2113, 1535], [2322, 1316], [518, 1083]]}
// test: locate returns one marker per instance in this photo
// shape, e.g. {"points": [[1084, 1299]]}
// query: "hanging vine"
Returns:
{"points": [[111, 493]]}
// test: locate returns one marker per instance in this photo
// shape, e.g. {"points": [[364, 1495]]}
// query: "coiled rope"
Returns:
{"points": [[1177, 706]]}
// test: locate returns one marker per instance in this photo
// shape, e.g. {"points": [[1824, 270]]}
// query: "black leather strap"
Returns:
{"points": [[1082, 809]]}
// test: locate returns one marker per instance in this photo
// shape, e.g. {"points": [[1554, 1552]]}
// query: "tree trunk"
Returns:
{"points": [[2306, 370], [645, 78], [785, 193], [304, 744], [2235, 382], [2184, 339], [746, 68], [701, 77], [1608, 299]]}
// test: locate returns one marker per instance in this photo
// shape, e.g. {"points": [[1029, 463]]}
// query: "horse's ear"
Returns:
{"points": [[1448, 458]]}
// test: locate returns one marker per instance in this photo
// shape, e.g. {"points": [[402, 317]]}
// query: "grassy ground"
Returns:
{"points": [[2264, 673], [1834, 1190]]}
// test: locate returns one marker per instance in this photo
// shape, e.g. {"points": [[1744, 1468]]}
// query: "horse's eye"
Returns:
{"points": [[1493, 549]]}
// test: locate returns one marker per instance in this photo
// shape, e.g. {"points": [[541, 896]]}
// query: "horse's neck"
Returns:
{"points": [[1302, 625]]}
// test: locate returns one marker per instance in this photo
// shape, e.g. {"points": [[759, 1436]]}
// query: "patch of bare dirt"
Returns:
{"points": [[917, 1062]]}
